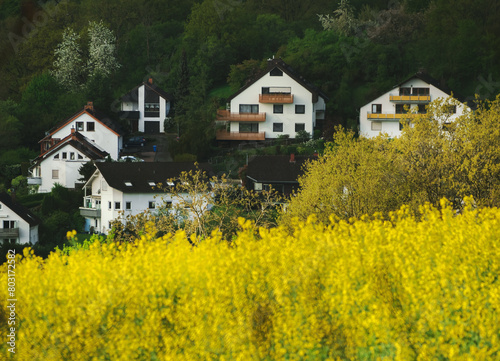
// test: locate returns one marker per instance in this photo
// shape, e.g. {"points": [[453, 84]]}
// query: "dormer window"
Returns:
{"points": [[276, 72]]}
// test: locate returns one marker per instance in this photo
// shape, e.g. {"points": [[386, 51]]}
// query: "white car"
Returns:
{"points": [[130, 158]]}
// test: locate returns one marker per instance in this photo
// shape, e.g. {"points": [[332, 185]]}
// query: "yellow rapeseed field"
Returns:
{"points": [[360, 290]]}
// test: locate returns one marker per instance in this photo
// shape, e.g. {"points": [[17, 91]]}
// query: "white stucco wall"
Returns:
{"points": [[391, 127], [68, 168], [300, 94], [25, 231], [102, 135]]}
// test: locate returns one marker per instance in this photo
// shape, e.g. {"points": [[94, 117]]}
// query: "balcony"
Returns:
{"points": [[390, 116], [9, 233], [90, 212], [225, 135], [276, 98], [240, 117], [34, 181], [410, 98]]}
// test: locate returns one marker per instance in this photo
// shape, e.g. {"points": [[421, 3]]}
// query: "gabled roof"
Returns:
{"points": [[424, 76], [287, 69], [20, 210], [77, 141], [277, 168], [133, 95], [92, 112], [135, 177]]}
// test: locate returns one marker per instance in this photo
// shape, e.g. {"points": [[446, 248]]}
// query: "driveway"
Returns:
{"points": [[158, 142]]}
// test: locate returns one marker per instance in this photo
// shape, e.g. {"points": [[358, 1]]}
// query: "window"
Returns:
{"points": [[55, 173], [56, 156], [402, 108], [421, 91], [90, 126], [128, 183], [300, 109], [249, 108], [278, 108], [276, 90], [109, 205], [128, 205], [168, 204], [299, 127], [64, 155], [277, 127], [276, 72], [79, 126], [151, 204], [376, 108], [72, 156], [257, 186], [451, 109], [404, 91], [377, 126], [422, 109], [117, 205], [152, 184], [80, 156], [151, 104], [249, 127]]}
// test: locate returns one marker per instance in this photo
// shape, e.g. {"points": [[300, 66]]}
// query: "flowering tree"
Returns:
{"points": [[68, 63], [101, 50]]}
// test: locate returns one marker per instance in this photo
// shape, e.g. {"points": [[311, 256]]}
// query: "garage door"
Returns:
{"points": [[151, 127]]}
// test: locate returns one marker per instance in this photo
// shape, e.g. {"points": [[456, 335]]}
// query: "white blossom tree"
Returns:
{"points": [[102, 49], [68, 63]]}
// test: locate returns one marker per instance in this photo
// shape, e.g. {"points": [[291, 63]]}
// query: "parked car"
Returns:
{"points": [[130, 158], [137, 141]]}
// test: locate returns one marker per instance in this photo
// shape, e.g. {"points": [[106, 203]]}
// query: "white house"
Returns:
{"points": [[146, 107], [383, 114], [277, 102], [119, 189], [62, 161], [92, 124], [17, 224]]}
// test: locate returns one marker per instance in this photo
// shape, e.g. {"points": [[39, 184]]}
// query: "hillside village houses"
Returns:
{"points": [[277, 102], [85, 136], [118, 189], [146, 107], [383, 114], [17, 223]]}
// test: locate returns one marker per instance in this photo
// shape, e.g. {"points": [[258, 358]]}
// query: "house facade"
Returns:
{"points": [[17, 224], [61, 163], [146, 107], [277, 102], [118, 189], [383, 114]]}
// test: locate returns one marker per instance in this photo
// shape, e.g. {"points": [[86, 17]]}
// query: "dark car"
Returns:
{"points": [[136, 141]]}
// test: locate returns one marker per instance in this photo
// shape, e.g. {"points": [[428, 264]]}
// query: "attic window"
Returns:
{"points": [[128, 183], [79, 126], [276, 72]]}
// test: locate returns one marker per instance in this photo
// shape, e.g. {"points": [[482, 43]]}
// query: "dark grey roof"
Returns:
{"points": [[280, 64], [139, 174], [20, 210], [277, 168], [133, 95], [80, 143]]}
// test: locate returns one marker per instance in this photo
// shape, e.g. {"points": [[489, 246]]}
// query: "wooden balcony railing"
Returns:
{"points": [[386, 116], [240, 117], [410, 98], [276, 98], [9, 233], [225, 135]]}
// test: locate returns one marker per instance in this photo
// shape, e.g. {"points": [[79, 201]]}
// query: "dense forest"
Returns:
{"points": [[201, 51]]}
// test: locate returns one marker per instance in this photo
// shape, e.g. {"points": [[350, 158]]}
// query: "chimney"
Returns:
{"points": [[292, 158], [89, 106], [150, 81]]}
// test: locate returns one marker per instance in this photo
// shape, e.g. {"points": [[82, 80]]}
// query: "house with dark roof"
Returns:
{"points": [[383, 114], [61, 162], [17, 223], [276, 102], [279, 172], [146, 107], [92, 124], [119, 189]]}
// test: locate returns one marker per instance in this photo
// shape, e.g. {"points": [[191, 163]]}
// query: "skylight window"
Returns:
{"points": [[128, 183], [152, 184]]}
